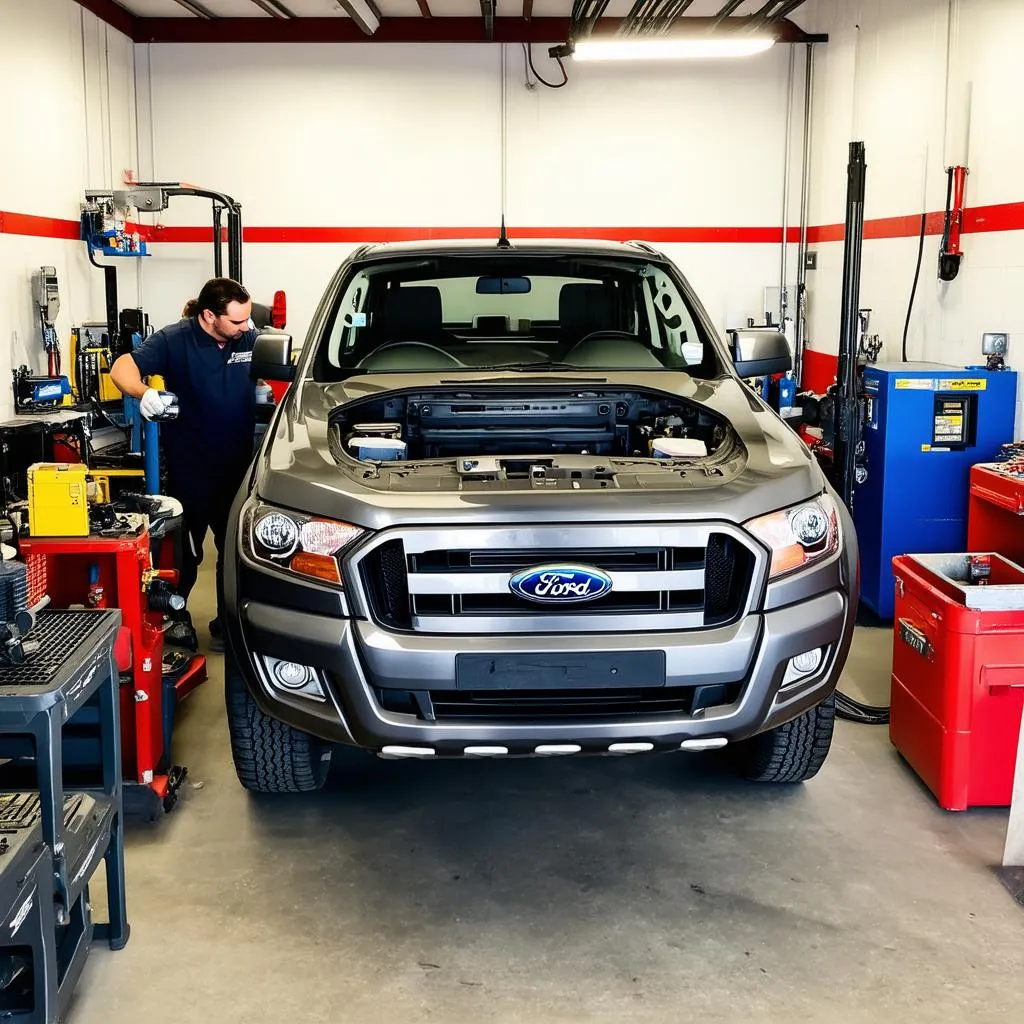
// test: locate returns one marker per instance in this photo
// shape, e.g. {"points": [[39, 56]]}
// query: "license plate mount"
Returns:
{"points": [[560, 671]]}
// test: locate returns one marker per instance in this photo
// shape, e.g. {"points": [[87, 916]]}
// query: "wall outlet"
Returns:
{"points": [[994, 344], [810, 261]]}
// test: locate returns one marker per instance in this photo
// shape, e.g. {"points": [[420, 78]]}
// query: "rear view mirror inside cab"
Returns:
{"points": [[502, 285]]}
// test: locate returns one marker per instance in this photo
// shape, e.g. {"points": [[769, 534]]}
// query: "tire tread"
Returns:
{"points": [[792, 752], [270, 756]]}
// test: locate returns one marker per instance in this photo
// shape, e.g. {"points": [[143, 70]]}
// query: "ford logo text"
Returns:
{"points": [[560, 584]]}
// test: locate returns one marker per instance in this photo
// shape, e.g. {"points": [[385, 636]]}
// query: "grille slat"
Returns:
{"points": [[466, 583], [415, 583]]}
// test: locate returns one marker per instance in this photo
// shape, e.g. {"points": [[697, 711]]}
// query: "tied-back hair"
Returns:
{"points": [[216, 295]]}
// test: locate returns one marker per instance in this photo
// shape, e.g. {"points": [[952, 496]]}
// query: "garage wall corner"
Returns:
{"points": [[70, 125]]}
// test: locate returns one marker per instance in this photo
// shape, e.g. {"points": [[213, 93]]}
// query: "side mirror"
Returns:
{"points": [[272, 357], [759, 352]]}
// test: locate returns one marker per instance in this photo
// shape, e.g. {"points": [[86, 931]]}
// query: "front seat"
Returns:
{"points": [[411, 313], [584, 309]]}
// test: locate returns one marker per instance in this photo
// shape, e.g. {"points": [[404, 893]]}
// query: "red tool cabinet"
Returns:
{"points": [[995, 517], [957, 684]]}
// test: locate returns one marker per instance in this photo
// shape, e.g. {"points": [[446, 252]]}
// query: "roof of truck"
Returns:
{"points": [[489, 246]]}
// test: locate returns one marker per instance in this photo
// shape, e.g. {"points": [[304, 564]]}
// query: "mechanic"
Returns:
{"points": [[205, 360]]}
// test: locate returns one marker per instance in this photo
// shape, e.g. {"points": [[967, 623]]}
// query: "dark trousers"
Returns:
{"points": [[203, 510]]}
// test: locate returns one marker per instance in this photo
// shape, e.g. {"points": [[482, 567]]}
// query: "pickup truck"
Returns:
{"points": [[520, 500]]}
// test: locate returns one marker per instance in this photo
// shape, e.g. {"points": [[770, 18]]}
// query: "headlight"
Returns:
{"points": [[800, 536], [297, 543], [276, 533]]}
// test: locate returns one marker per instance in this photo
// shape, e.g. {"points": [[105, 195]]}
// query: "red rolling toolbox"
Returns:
{"points": [[995, 516], [958, 676]]}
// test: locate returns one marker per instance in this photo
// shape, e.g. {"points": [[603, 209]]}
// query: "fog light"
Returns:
{"points": [[802, 665], [290, 675], [807, 662], [293, 677]]}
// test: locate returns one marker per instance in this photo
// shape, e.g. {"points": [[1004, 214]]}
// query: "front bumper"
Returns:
{"points": [[354, 658]]}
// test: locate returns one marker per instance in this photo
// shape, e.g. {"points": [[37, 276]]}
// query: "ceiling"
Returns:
{"points": [[434, 20], [405, 8]]}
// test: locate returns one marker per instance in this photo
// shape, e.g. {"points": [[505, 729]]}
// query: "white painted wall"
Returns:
{"points": [[70, 124], [885, 79], [412, 136]]}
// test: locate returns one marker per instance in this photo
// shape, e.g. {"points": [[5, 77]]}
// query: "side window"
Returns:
{"points": [[350, 321]]}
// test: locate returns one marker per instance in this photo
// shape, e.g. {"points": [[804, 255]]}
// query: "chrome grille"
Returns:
{"points": [[682, 576]]}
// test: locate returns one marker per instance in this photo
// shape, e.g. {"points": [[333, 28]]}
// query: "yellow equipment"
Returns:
{"points": [[83, 343], [58, 500]]}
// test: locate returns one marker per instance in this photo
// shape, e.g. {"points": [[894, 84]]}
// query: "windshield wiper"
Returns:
{"points": [[536, 366]]}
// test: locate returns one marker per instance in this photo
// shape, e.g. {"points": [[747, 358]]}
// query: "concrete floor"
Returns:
{"points": [[647, 889]]}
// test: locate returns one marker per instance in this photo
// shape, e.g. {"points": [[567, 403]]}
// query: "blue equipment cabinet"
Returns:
{"points": [[926, 425]]}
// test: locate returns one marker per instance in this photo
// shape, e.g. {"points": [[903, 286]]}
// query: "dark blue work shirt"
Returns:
{"points": [[211, 441]]}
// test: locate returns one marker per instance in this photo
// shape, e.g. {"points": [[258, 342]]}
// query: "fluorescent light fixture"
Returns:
{"points": [[670, 49]]}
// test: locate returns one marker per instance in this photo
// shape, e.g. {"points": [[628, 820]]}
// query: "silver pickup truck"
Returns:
{"points": [[520, 501]]}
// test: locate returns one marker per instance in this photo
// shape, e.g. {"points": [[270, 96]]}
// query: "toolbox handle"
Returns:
{"points": [[1001, 679]]}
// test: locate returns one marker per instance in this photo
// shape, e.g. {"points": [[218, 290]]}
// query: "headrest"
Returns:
{"points": [[410, 312], [584, 308]]}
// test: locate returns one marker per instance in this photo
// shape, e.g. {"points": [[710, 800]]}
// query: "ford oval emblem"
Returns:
{"points": [[561, 584]]}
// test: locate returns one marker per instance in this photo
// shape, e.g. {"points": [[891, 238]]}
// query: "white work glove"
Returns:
{"points": [[152, 405]]}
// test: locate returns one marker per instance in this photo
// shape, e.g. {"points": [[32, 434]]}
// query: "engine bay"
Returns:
{"points": [[488, 423]]}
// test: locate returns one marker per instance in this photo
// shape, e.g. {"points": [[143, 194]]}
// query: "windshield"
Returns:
{"points": [[477, 311]]}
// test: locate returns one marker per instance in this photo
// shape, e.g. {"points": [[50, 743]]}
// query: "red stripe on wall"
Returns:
{"points": [[978, 219], [39, 227], [1007, 217]]}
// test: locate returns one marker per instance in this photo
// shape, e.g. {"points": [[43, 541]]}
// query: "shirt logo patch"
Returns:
{"points": [[240, 357]]}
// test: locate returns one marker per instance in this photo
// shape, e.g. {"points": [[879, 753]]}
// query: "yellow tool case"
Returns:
{"points": [[58, 500]]}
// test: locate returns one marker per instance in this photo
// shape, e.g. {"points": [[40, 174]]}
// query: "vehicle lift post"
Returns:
{"points": [[846, 408]]}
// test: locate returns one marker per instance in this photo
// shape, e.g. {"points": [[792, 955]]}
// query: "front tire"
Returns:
{"points": [[793, 752], [270, 756]]}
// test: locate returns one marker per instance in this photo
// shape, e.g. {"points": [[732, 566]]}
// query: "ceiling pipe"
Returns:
{"points": [[274, 9], [788, 7], [763, 15], [195, 8], [725, 12]]}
